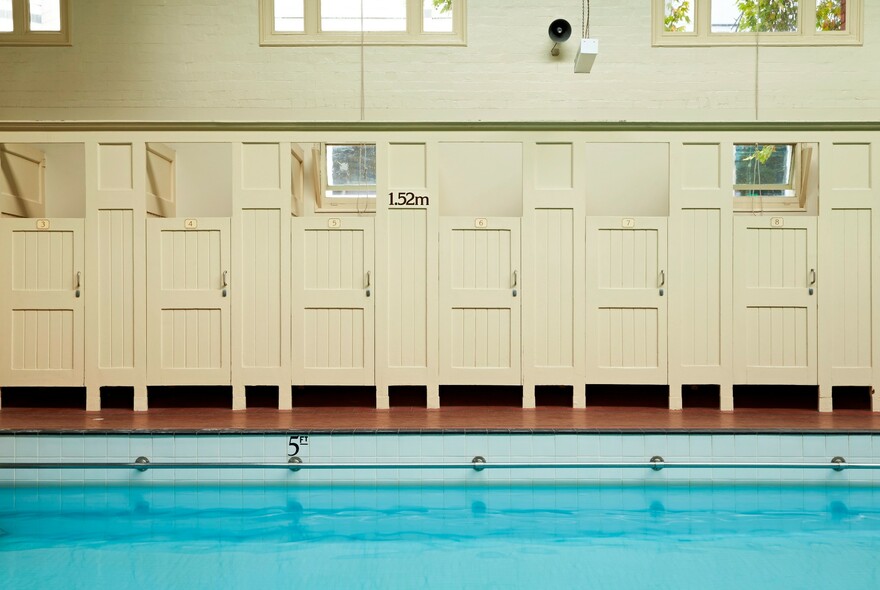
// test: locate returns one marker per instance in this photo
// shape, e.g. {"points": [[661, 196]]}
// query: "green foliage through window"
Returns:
{"points": [[678, 15]]}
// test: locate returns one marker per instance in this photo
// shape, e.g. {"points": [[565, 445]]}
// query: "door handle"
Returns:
{"points": [[78, 283], [662, 278], [369, 281], [515, 279], [812, 280], [225, 279]]}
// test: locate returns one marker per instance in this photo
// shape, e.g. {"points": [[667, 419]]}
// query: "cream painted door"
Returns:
{"points": [[480, 301], [626, 300], [42, 289], [188, 292], [332, 297], [775, 300]]}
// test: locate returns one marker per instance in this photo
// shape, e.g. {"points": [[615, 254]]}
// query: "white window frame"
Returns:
{"points": [[313, 35], [22, 35], [702, 36], [353, 204], [802, 155]]}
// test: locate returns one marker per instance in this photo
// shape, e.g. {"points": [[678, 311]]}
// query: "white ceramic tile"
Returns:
{"points": [[230, 448], [252, 446], [566, 447], [186, 447], [860, 446], [72, 447], [454, 447], [746, 446], [208, 447], [588, 445], [342, 447], [476, 444], [610, 447], [837, 445], [432, 447], [700, 446], [387, 446], [7, 447], [814, 447], [118, 449], [791, 448], [768, 447], [141, 446], [499, 449], [632, 446], [50, 448], [655, 444], [678, 447]]}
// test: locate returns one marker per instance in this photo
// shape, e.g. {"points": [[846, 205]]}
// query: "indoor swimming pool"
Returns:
{"points": [[441, 536], [440, 510]]}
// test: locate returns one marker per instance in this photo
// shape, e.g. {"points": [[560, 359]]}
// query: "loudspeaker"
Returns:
{"points": [[559, 31]]}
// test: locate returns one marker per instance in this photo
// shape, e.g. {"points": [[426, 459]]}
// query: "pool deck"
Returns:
{"points": [[447, 419]]}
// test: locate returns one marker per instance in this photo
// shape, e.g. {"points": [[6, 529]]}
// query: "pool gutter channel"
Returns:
{"points": [[836, 464]]}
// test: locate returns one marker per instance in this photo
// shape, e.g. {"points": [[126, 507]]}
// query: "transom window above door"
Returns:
{"points": [[34, 22]]}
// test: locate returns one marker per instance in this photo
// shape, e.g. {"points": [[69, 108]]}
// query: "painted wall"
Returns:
{"points": [[200, 60]]}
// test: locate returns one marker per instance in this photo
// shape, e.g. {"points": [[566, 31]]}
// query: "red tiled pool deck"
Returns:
{"points": [[451, 419]]}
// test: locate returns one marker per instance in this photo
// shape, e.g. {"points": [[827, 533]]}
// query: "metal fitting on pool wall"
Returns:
{"points": [[295, 461], [657, 461], [838, 463], [478, 463], [142, 461]]}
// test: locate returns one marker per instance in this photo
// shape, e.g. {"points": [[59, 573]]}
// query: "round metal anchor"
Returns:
{"points": [[478, 463], [657, 461], [838, 463], [295, 461], [142, 461]]}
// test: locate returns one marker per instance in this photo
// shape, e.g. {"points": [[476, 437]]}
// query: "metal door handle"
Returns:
{"points": [[662, 278], [369, 279], [515, 279], [812, 276], [78, 279], [225, 279]]}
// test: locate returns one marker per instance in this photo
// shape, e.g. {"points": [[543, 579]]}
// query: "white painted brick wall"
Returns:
{"points": [[201, 60]]}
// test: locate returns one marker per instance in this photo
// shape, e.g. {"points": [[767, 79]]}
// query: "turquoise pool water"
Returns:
{"points": [[442, 536]]}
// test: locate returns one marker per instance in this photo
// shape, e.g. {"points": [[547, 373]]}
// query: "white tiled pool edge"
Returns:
{"points": [[419, 448]]}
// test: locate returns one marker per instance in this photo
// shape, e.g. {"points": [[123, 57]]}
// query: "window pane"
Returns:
{"points": [[763, 165], [289, 16], [6, 16], [679, 16], [437, 16], [351, 165], [379, 15], [739, 16], [45, 15], [831, 15]]}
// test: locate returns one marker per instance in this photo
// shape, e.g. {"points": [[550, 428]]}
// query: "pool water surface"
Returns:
{"points": [[498, 535]]}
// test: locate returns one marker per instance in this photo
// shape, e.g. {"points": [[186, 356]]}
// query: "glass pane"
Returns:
{"points": [[679, 16], [289, 16], [437, 16], [748, 16], [379, 15], [6, 23], [763, 165], [351, 165], [831, 15], [45, 15]]}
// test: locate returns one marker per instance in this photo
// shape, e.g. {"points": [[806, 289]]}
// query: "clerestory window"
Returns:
{"points": [[34, 22], [757, 22], [372, 22]]}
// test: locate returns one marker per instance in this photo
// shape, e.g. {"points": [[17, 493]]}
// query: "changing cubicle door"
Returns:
{"points": [[480, 301], [42, 289], [332, 296], [188, 292], [775, 278], [626, 300]]}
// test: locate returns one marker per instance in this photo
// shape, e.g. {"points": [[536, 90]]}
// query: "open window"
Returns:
{"points": [[347, 177], [771, 176]]}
